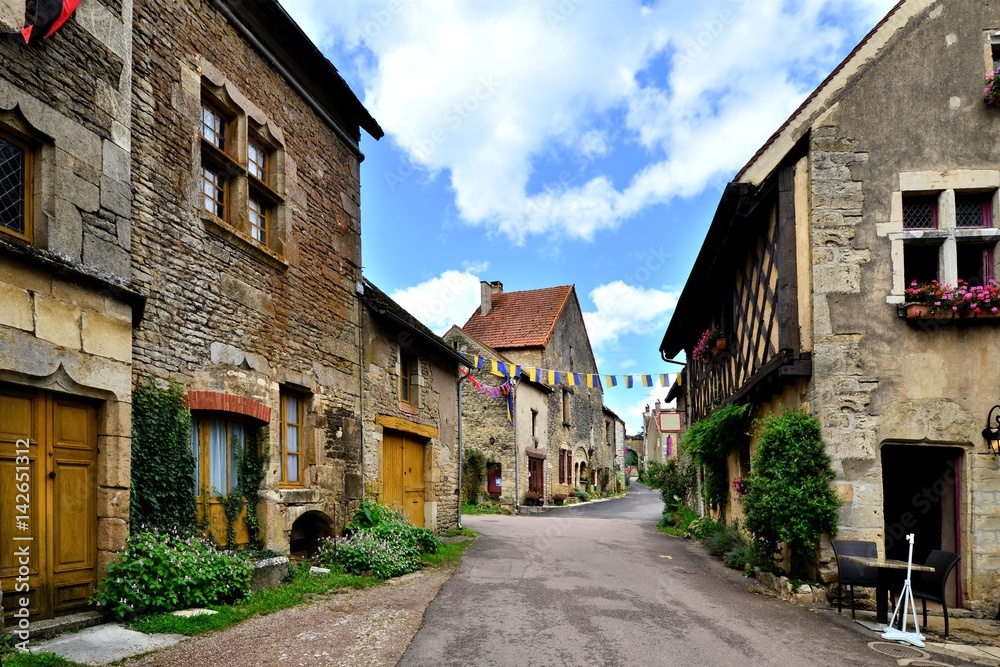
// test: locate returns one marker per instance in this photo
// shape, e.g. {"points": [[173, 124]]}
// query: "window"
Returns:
{"points": [[607, 433], [216, 443], [565, 407], [238, 170], [292, 409], [534, 424], [15, 170], [407, 371], [948, 236], [562, 466]]}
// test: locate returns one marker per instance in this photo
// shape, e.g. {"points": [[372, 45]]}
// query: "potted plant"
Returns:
{"points": [[991, 94], [558, 499], [937, 300], [706, 348], [531, 499]]}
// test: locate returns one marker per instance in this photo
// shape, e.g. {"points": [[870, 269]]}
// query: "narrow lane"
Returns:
{"points": [[585, 586]]}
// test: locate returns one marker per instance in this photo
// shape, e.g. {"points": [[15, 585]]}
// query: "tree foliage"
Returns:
{"points": [[790, 499], [709, 442], [473, 474], [162, 462]]}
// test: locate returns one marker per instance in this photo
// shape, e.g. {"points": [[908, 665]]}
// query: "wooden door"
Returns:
{"points": [[413, 481], [60, 463], [403, 475]]}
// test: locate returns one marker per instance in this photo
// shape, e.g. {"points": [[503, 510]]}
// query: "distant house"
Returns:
{"points": [[609, 457], [544, 328], [884, 179], [515, 445], [662, 430], [410, 443]]}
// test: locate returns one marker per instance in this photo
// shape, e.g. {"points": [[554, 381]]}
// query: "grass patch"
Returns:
{"points": [[459, 532], [672, 530], [10, 657], [302, 588], [449, 553], [486, 507]]}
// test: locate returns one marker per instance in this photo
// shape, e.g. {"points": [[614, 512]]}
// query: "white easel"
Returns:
{"points": [[906, 601]]}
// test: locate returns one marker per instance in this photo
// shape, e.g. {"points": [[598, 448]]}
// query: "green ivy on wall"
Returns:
{"points": [[162, 462], [709, 443]]}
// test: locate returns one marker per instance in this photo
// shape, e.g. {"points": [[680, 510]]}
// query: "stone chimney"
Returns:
{"points": [[486, 298], [486, 292]]}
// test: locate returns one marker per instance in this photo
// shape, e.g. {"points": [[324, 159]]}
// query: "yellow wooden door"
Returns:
{"points": [[413, 481], [50, 443], [392, 466], [403, 475]]}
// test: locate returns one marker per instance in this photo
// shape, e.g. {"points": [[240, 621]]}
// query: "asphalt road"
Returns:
{"points": [[598, 584]]}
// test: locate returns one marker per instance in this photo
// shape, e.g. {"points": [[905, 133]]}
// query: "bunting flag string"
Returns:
{"points": [[556, 378]]}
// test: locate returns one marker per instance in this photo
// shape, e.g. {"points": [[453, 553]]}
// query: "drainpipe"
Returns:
{"points": [[517, 463], [361, 380], [458, 388]]}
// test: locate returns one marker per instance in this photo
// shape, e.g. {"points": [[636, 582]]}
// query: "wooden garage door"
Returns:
{"points": [[60, 506], [403, 474]]}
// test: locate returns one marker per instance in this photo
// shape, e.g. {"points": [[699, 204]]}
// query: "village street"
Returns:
{"points": [[599, 585]]}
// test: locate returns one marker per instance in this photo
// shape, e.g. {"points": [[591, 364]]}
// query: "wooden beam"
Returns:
{"points": [[788, 298], [405, 425]]}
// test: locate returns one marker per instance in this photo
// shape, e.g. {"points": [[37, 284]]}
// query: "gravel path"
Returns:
{"points": [[366, 628]]}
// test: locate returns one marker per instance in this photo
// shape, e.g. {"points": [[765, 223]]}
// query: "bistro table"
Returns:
{"points": [[887, 568]]}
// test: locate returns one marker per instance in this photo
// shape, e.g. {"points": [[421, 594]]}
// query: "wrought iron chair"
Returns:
{"points": [[853, 574], [931, 585]]}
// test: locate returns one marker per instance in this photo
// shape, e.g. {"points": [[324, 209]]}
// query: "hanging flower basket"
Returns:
{"points": [[991, 94], [705, 350]]}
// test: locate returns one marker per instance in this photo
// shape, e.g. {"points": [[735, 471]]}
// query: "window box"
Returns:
{"points": [[936, 300], [925, 311]]}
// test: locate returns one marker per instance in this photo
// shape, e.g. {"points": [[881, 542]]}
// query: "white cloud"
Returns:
{"points": [[626, 309], [444, 300], [487, 92], [630, 406]]}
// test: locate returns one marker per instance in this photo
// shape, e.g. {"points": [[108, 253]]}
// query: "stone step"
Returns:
{"points": [[51, 627]]}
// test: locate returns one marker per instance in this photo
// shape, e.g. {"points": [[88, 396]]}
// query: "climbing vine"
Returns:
{"points": [[251, 467], [473, 474], [709, 443], [161, 455]]}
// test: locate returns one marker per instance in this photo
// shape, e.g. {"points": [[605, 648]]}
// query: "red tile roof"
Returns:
{"points": [[520, 319]]}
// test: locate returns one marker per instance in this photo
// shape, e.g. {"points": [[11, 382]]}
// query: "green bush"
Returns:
{"points": [[382, 542], [721, 541], [741, 557], [473, 474], [790, 499], [582, 495], [164, 571]]}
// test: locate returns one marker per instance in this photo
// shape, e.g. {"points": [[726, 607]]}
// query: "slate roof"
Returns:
{"points": [[520, 319]]}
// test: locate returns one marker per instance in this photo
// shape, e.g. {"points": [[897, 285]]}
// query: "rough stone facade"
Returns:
{"points": [[226, 313], [485, 426], [429, 417], [902, 403], [67, 306]]}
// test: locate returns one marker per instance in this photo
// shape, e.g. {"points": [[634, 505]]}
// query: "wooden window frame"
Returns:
{"points": [[28, 184], [219, 160], [986, 204], [203, 464], [283, 440], [565, 408], [408, 365], [918, 198]]}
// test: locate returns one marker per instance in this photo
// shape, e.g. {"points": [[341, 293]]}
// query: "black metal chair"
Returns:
{"points": [[853, 574], [931, 585]]}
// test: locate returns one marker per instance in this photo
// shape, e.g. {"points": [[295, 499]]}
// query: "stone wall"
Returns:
{"points": [[432, 418], [66, 304], [224, 313], [880, 381]]}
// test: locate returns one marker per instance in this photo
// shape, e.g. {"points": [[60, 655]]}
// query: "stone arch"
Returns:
{"points": [[308, 530]]}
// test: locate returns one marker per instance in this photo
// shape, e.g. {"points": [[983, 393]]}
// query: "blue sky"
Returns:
{"points": [[580, 142]]}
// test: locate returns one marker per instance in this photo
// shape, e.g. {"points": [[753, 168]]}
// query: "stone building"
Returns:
{"points": [[68, 303], [410, 424], [662, 430], [609, 456], [887, 174], [544, 328], [516, 449], [246, 238]]}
